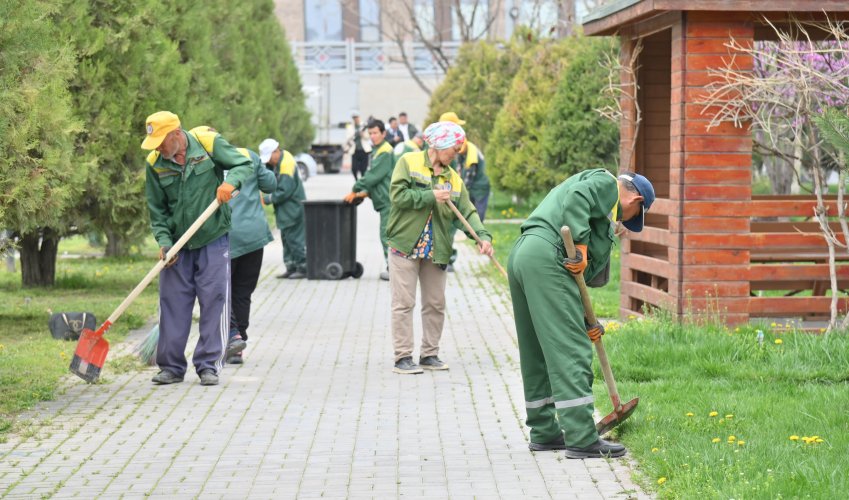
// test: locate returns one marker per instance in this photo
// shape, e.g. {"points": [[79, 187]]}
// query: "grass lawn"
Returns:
{"points": [[31, 362], [748, 403], [605, 299]]}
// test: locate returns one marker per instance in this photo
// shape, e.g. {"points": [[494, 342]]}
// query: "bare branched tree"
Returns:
{"points": [[794, 80], [622, 106]]}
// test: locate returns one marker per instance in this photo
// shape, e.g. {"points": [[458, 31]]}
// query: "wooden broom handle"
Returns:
{"points": [[566, 234], [475, 235], [160, 264]]}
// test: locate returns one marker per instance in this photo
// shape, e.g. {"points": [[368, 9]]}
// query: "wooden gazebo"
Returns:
{"points": [[705, 248]]}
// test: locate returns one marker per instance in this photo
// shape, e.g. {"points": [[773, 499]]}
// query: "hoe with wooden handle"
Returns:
{"points": [[92, 347], [620, 412]]}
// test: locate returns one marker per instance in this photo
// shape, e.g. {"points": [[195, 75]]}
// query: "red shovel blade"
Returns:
{"points": [[616, 417], [90, 354]]}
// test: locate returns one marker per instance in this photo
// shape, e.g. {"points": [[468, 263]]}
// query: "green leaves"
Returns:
{"points": [[834, 126]]}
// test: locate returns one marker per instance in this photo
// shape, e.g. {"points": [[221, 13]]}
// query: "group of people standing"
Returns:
{"points": [[422, 188]]}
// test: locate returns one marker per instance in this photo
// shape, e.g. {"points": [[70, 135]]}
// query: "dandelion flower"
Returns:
{"points": [[822, 330], [715, 440], [819, 440], [689, 414], [773, 324], [713, 414], [741, 443], [779, 341], [654, 450], [729, 416], [661, 480], [794, 438], [731, 439]]}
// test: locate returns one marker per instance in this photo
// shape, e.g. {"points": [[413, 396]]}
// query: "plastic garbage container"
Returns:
{"points": [[331, 240]]}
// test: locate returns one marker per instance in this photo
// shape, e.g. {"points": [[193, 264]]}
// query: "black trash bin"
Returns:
{"points": [[331, 240]]}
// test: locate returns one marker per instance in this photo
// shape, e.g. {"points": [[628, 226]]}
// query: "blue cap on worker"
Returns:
{"points": [[646, 190]]}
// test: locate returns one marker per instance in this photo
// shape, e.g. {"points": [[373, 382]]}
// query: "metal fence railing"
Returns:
{"points": [[368, 57]]}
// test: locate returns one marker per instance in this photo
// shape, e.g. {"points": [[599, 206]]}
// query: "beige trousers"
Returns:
{"points": [[404, 275]]}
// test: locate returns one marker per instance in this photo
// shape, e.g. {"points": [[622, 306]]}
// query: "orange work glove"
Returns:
{"points": [[594, 332], [579, 263], [163, 252], [225, 192], [349, 198]]}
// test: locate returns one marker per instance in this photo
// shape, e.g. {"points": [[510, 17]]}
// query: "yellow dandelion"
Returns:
{"points": [[819, 440], [822, 330], [779, 341], [689, 414], [806, 439], [741, 443], [713, 414], [631, 317], [715, 440], [654, 450], [729, 416], [731, 439], [794, 438], [661, 480], [737, 330], [773, 325]]}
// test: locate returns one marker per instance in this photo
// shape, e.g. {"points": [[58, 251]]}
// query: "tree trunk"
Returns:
{"points": [[38, 257], [116, 244]]}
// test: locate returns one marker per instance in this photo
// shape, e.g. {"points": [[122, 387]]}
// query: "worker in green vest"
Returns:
{"points": [[375, 182], [555, 343], [288, 207], [413, 145]]}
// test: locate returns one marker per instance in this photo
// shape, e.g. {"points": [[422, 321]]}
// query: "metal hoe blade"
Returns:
{"points": [[616, 417]]}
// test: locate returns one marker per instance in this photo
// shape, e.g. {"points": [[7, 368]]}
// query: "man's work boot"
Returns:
{"points": [[208, 377], [432, 363], [599, 449], [165, 377], [554, 444], [299, 274], [405, 366], [235, 345], [289, 272]]}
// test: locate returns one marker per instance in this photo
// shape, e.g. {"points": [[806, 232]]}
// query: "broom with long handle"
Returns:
{"points": [[92, 348]]}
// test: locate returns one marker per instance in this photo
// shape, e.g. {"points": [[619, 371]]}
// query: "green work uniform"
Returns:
{"points": [[178, 194], [289, 212], [413, 201], [250, 227], [554, 350], [376, 183]]}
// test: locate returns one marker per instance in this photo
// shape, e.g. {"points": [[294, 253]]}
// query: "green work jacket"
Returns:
{"points": [[587, 202], [289, 195], [250, 227], [411, 193], [376, 179], [178, 194], [472, 168]]}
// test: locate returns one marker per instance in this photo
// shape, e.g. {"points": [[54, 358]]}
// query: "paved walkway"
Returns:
{"points": [[315, 411]]}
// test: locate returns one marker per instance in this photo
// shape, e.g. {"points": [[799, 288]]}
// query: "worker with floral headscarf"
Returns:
{"points": [[419, 229]]}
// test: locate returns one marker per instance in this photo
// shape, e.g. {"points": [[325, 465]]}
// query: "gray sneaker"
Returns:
{"points": [[208, 377], [405, 366], [165, 377], [432, 363], [298, 275]]}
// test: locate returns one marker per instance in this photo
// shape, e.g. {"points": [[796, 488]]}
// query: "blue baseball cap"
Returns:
{"points": [[646, 190]]}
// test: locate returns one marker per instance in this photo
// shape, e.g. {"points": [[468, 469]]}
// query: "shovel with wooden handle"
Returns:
{"points": [[92, 347], [620, 411]]}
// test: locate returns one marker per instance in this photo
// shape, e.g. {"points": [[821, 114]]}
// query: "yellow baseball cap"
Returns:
{"points": [[158, 125], [451, 117]]}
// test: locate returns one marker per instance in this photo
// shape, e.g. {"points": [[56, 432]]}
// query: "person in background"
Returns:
{"points": [[393, 135], [288, 207], [375, 183], [413, 145], [358, 141], [408, 130]]}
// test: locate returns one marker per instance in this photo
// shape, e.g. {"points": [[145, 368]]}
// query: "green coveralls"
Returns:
{"points": [[376, 183], [289, 212], [554, 350]]}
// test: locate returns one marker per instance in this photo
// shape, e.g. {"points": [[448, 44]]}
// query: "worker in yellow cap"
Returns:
{"points": [[184, 174], [471, 166]]}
